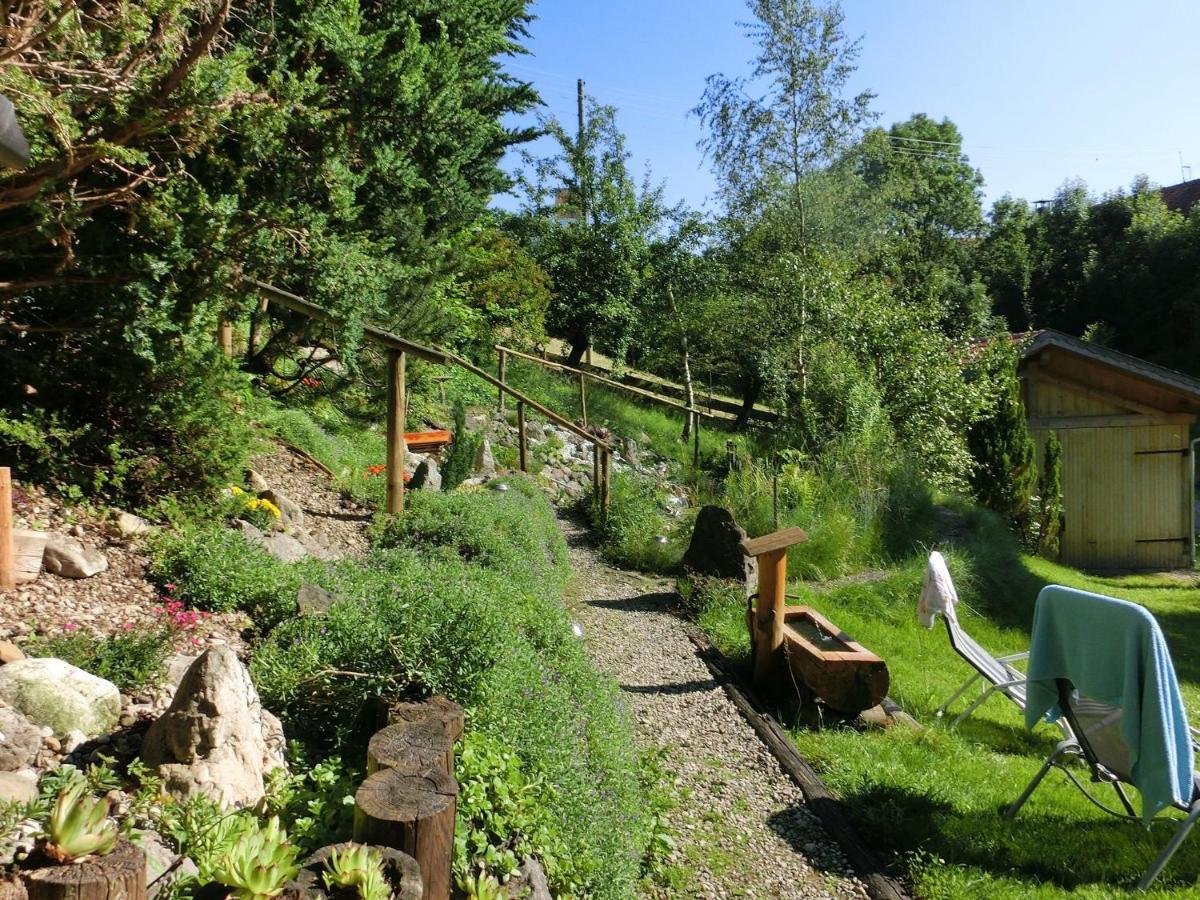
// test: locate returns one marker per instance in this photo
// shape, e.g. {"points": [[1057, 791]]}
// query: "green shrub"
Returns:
{"points": [[1050, 500], [460, 455], [131, 660], [461, 597], [636, 520], [216, 569]]}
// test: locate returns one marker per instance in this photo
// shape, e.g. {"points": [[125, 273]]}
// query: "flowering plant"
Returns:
{"points": [[258, 511]]}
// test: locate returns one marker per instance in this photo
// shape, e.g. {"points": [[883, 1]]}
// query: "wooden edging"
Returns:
{"points": [[819, 799]]}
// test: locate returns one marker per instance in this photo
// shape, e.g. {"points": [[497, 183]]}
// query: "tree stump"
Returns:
{"points": [[413, 814], [12, 889], [411, 747], [435, 709], [121, 874], [400, 869]]}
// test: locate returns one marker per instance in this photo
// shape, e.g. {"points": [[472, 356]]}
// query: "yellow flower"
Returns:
{"points": [[267, 505], [236, 491]]}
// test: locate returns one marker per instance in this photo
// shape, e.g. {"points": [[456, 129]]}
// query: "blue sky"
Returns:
{"points": [[1042, 91]]}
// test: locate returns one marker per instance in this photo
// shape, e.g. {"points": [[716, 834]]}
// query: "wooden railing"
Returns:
{"points": [[694, 413], [398, 349]]}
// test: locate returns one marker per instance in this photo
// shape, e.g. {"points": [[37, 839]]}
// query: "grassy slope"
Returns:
{"points": [[932, 800]]}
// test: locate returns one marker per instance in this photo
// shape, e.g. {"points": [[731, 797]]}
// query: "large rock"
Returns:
{"points": [[20, 740], [18, 787], [130, 525], [484, 461], [290, 513], [67, 557], [427, 477], [282, 546], [314, 600], [10, 652], [61, 697], [215, 738], [716, 549]]}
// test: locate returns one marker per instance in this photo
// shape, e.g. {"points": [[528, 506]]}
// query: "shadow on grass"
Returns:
{"points": [[1042, 844]]}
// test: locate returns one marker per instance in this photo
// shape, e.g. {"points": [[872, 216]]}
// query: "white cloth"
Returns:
{"points": [[937, 591]]}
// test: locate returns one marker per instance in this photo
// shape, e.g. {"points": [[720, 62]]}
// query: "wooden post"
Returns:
{"points": [[395, 432], [411, 747], [256, 323], [503, 359], [413, 814], [605, 482], [771, 552], [121, 873], [583, 398], [522, 445], [225, 336], [8, 573], [595, 473]]}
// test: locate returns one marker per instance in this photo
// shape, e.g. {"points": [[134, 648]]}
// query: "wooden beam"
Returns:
{"points": [[378, 335], [395, 432], [522, 444], [1130, 420], [503, 361], [583, 398], [8, 575], [776, 540], [605, 481], [768, 616]]}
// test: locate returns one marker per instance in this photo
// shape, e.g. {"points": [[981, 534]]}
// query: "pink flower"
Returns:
{"points": [[69, 626], [127, 626], [169, 587]]}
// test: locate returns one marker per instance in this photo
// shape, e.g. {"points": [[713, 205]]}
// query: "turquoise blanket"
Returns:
{"points": [[1114, 652]]}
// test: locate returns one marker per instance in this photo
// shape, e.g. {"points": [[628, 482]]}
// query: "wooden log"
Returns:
{"points": [[28, 549], [818, 798], [8, 574], [503, 360], [12, 889], [583, 397], [413, 814], [411, 747], [437, 709], [522, 444], [120, 874], [401, 871], [768, 619], [395, 432]]}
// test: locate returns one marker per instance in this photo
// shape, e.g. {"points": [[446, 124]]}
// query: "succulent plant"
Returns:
{"points": [[79, 826], [358, 866], [258, 863]]}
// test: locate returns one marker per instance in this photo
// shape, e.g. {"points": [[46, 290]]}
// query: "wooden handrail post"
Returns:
{"points": [[395, 432], [605, 483], [583, 397], [522, 445], [503, 359], [595, 474], [771, 552], [8, 574]]}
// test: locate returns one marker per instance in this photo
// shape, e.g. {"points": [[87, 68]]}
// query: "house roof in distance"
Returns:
{"points": [[1181, 197]]}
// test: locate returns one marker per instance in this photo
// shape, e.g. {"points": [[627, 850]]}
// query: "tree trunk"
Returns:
{"points": [[413, 814], [411, 747], [579, 345], [436, 709], [689, 388], [749, 398], [121, 873]]}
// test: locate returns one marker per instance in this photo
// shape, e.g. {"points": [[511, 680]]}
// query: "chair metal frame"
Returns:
{"points": [[1078, 745]]}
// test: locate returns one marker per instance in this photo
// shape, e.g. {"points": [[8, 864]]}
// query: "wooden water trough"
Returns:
{"points": [[797, 646]]}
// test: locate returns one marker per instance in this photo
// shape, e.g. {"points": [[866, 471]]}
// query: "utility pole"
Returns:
{"points": [[583, 181]]}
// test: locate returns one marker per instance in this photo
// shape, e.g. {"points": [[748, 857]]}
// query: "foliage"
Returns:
{"points": [[131, 659], [360, 867], [460, 455], [314, 801], [637, 532], [1005, 474], [79, 826], [1050, 500], [218, 570], [467, 604], [789, 116], [259, 862]]}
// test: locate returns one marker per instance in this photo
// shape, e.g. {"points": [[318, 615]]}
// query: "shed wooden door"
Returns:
{"points": [[1125, 497]]}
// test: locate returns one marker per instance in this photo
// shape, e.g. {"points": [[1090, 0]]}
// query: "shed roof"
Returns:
{"points": [[1136, 378]]}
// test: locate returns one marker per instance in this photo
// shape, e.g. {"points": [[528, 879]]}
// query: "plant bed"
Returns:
{"points": [[121, 873], [399, 869]]}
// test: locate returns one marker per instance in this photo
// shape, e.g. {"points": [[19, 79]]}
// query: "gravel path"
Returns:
{"points": [[740, 824]]}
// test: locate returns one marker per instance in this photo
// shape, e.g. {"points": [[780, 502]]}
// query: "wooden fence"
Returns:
{"points": [[398, 350]]}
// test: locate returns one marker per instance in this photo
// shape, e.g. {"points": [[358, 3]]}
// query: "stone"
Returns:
{"points": [[20, 740], [314, 600], [18, 787], [215, 738], [574, 489], [130, 525], [313, 546], [72, 741], [716, 549], [55, 694], [427, 477], [256, 482], [250, 532], [290, 513], [177, 665], [67, 557], [163, 865], [284, 547], [77, 530], [534, 876], [484, 461], [10, 652]]}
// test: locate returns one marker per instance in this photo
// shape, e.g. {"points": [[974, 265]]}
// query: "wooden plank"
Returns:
{"points": [[500, 368], [8, 574], [776, 540], [378, 335], [583, 399], [395, 432], [422, 441], [818, 797], [1130, 420]]}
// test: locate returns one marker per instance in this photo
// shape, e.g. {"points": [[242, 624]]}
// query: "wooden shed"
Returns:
{"points": [[1128, 473]]}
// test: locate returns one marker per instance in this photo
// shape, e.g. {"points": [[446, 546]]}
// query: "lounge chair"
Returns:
{"points": [[1125, 640]]}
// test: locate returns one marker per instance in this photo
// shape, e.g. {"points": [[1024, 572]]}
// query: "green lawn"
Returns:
{"points": [[930, 801]]}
